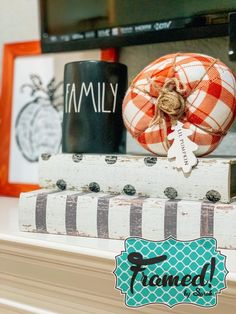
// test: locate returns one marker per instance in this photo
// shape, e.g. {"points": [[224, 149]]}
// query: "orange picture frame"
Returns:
{"points": [[11, 52]]}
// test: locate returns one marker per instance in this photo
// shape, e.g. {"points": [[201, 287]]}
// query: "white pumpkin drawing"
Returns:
{"points": [[38, 125]]}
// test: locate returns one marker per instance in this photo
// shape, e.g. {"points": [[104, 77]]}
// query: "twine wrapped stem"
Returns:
{"points": [[170, 101]]}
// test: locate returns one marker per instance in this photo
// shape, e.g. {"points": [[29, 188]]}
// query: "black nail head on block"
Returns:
{"points": [[171, 193], [110, 160], [61, 184], [77, 157], [213, 196], [150, 161], [129, 189], [94, 187], [45, 156]]}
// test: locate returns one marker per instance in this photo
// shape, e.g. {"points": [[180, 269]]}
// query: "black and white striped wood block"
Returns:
{"points": [[120, 216], [214, 178]]}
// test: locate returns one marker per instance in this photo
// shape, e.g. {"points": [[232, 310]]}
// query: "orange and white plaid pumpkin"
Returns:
{"points": [[209, 95]]}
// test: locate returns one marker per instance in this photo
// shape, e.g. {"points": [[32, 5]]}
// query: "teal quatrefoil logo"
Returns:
{"points": [[170, 272]]}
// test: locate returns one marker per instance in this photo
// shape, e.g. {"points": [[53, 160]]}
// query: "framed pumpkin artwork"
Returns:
{"points": [[31, 110]]}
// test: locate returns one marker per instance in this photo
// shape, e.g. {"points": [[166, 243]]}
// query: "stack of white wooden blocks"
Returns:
{"points": [[120, 196]]}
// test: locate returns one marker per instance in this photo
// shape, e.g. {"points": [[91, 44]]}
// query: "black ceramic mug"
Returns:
{"points": [[93, 95]]}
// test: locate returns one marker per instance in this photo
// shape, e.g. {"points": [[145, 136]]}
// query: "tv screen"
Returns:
{"points": [[83, 24]]}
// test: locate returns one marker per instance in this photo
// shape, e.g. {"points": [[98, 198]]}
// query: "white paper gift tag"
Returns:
{"points": [[182, 148]]}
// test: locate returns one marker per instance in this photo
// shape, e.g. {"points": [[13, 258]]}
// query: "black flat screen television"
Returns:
{"points": [[83, 24]]}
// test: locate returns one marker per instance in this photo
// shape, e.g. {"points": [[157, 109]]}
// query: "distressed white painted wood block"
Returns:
{"points": [[147, 175], [120, 216]]}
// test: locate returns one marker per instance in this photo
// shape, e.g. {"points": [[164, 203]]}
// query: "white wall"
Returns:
{"points": [[19, 21]]}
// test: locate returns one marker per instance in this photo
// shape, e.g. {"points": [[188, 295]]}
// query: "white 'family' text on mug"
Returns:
{"points": [[96, 91]]}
